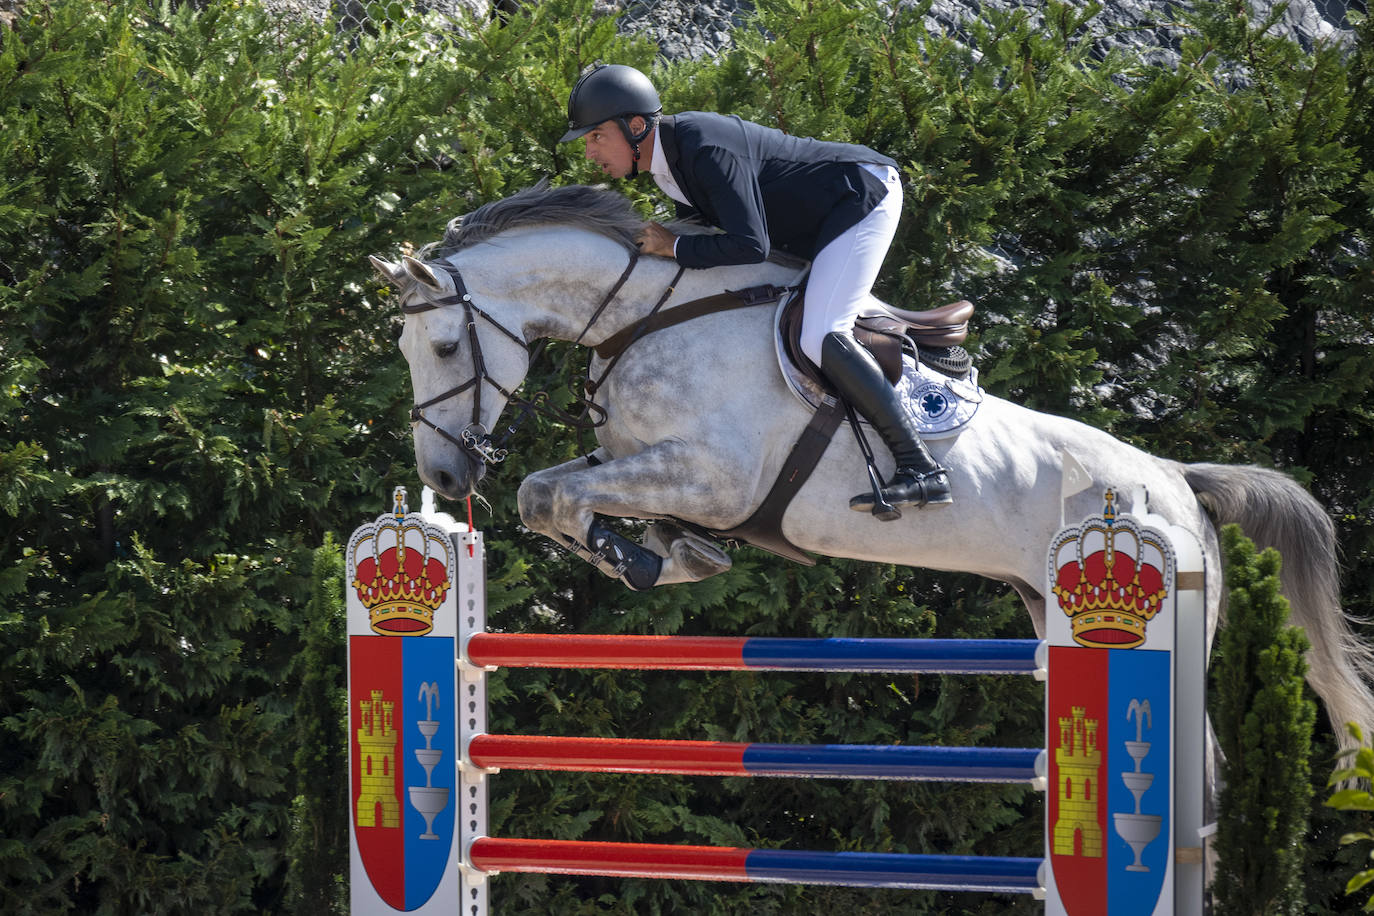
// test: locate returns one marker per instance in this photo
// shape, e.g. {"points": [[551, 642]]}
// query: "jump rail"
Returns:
{"points": [[724, 653], [1088, 812], [989, 874], [719, 758]]}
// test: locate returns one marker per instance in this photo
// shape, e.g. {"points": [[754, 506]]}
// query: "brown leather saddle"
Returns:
{"points": [[886, 336]]}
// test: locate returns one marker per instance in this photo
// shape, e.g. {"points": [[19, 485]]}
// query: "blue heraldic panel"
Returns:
{"points": [[1138, 773]]}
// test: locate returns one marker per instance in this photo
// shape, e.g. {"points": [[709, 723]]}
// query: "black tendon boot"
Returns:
{"points": [[918, 480], [620, 558]]}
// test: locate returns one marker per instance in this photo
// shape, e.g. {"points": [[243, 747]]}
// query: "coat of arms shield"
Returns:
{"points": [[402, 688]]}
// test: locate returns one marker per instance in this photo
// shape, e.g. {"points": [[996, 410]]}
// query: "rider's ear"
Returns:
{"points": [[423, 274], [393, 273]]}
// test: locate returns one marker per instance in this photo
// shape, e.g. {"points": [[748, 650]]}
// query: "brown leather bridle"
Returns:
{"points": [[474, 439]]}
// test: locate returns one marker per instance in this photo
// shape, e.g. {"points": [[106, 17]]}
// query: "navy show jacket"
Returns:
{"points": [[765, 189]]}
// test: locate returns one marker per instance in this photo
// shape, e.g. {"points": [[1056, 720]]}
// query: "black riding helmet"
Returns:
{"points": [[611, 91]]}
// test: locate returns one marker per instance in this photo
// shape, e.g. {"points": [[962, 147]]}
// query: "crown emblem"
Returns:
{"points": [[1111, 578], [400, 571]]}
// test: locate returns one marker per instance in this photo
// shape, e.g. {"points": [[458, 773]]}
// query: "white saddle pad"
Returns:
{"points": [[940, 405]]}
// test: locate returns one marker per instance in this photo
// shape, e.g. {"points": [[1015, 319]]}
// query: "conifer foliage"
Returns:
{"points": [[198, 387], [1263, 721]]}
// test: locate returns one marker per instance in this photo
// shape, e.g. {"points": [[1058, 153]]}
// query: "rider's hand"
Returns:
{"points": [[654, 239]]}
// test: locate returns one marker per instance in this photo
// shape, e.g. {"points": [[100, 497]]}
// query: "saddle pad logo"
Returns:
{"points": [[939, 405], [930, 402]]}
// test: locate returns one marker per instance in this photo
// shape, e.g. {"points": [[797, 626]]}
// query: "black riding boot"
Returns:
{"points": [[918, 480]]}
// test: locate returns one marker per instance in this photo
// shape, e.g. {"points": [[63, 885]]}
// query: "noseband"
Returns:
{"points": [[474, 439]]}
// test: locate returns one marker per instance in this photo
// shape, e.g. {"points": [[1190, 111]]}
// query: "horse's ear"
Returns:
{"points": [[422, 273], [394, 273]]}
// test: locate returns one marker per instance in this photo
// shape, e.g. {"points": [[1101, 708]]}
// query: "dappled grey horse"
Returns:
{"points": [[698, 419]]}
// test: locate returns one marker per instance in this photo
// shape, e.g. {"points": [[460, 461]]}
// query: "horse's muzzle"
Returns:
{"points": [[451, 472], [453, 483]]}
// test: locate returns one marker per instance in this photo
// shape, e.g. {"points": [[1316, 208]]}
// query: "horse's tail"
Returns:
{"points": [[1274, 511]]}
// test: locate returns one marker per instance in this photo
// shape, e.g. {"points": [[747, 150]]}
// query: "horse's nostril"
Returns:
{"points": [[445, 481]]}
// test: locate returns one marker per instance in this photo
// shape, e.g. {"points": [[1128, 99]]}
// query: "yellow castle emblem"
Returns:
{"points": [[378, 805], [1080, 786]]}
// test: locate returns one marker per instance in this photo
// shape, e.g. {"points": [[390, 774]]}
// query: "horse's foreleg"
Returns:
{"points": [[687, 557], [544, 500], [563, 503]]}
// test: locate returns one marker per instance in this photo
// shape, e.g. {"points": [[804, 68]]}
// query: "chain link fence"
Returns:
{"points": [[697, 29]]}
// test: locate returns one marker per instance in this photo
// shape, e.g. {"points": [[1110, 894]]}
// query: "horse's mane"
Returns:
{"points": [[596, 209]]}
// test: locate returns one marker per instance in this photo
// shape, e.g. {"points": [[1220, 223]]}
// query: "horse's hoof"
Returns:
{"points": [[686, 556], [697, 559]]}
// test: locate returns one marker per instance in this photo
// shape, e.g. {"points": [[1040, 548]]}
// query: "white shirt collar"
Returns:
{"points": [[662, 175]]}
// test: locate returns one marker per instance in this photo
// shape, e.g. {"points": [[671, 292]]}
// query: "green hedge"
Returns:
{"points": [[198, 386]]}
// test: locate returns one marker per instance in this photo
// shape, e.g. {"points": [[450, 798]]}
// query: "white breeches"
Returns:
{"points": [[842, 273]]}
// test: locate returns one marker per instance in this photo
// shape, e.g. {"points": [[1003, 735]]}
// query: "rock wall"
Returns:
{"points": [[697, 29], [693, 29]]}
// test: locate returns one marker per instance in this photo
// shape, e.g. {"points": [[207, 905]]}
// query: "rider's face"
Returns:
{"points": [[608, 148]]}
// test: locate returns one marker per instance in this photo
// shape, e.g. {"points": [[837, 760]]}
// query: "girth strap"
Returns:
{"points": [[763, 529]]}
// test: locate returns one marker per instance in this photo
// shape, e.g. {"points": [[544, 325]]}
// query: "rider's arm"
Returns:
{"points": [[732, 189]]}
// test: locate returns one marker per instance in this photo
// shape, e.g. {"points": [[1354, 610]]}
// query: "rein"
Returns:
{"points": [[474, 438], [477, 441]]}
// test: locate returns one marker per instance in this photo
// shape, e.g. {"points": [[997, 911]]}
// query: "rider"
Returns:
{"points": [[836, 204]]}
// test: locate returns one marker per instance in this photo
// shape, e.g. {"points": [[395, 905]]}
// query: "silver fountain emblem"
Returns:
{"points": [[428, 799], [1139, 830]]}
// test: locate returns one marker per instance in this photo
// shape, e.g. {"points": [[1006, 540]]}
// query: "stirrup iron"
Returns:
{"points": [[882, 510], [921, 481]]}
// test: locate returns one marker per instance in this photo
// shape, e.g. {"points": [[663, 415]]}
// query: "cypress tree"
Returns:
{"points": [[318, 848], [1263, 720]]}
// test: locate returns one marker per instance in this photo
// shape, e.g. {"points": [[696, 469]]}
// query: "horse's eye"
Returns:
{"points": [[446, 350]]}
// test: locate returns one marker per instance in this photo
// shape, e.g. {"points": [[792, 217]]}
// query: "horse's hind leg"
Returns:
{"points": [[1035, 605]]}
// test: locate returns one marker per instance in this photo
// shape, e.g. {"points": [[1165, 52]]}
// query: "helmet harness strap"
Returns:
{"points": [[635, 139]]}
